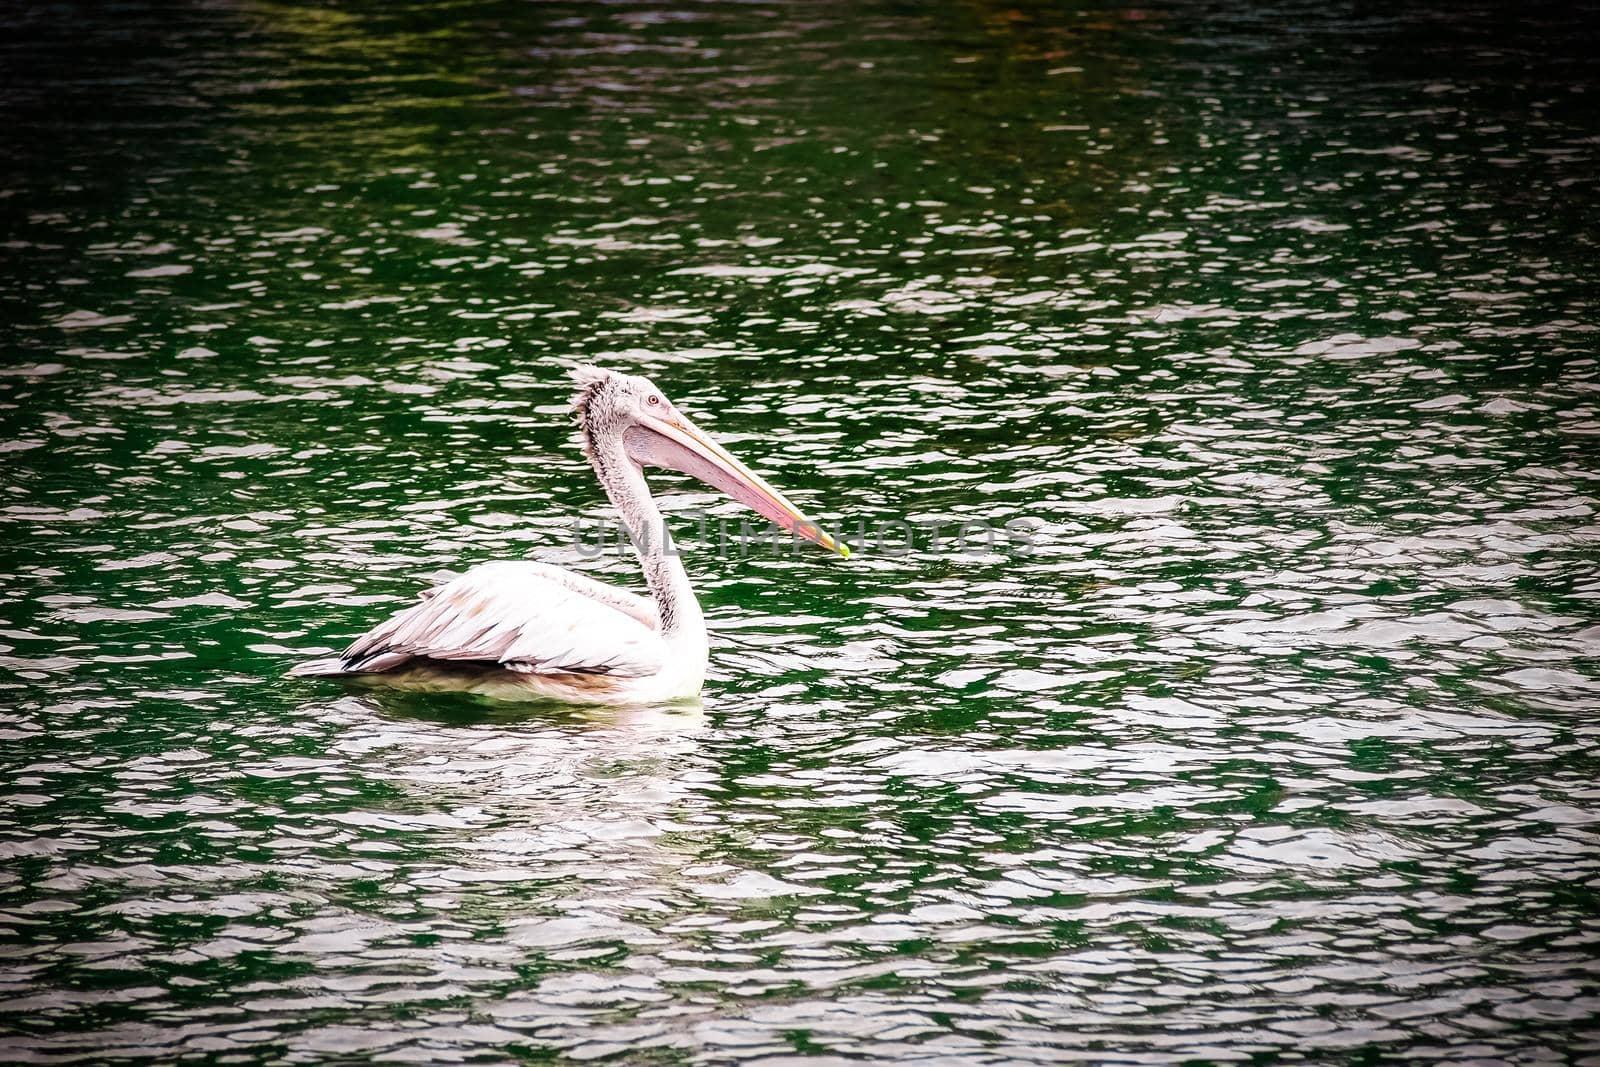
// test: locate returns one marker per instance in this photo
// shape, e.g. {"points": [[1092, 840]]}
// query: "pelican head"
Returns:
{"points": [[628, 411]]}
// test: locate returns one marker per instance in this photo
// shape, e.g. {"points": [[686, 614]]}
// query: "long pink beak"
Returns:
{"points": [[677, 443]]}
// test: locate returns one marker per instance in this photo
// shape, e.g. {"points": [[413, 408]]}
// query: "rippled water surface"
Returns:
{"points": [[1278, 322]]}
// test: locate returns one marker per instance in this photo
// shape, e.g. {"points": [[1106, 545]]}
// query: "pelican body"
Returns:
{"points": [[533, 631]]}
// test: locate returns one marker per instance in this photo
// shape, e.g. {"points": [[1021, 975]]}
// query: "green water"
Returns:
{"points": [[1278, 322]]}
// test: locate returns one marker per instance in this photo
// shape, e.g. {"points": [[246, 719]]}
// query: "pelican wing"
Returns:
{"points": [[525, 617], [641, 608]]}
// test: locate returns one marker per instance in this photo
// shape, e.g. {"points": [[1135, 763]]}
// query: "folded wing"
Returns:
{"points": [[523, 617]]}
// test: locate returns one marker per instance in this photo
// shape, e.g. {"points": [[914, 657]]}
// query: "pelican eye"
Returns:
{"points": [[655, 401]]}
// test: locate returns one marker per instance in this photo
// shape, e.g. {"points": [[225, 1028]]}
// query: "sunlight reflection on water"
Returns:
{"points": [[1278, 741]]}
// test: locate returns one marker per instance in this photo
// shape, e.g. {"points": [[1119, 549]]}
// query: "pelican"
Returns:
{"points": [[533, 631]]}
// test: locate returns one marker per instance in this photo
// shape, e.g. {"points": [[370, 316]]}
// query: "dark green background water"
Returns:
{"points": [[1281, 320]]}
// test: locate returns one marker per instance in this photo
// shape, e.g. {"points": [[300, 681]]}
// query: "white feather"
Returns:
{"points": [[527, 617]]}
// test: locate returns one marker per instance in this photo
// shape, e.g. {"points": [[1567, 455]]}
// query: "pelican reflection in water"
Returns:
{"points": [[525, 630]]}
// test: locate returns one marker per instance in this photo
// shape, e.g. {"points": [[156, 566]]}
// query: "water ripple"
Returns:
{"points": [[1271, 738]]}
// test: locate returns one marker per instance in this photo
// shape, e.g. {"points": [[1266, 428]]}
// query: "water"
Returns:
{"points": [[1281, 326]]}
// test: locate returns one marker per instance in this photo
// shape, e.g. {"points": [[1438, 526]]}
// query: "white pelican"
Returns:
{"points": [[526, 630]]}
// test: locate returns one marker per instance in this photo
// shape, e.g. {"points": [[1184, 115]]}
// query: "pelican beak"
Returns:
{"points": [[678, 443]]}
